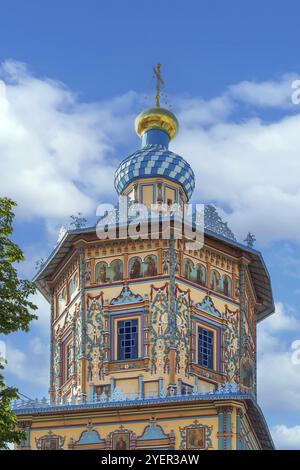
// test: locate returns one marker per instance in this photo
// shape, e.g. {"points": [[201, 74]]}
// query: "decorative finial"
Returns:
{"points": [[78, 221], [159, 84], [39, 264], [250, 240]]}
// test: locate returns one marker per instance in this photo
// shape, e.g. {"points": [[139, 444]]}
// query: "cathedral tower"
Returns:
{"points": [[153, 344]]}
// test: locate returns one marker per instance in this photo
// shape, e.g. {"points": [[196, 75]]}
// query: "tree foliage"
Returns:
{"points": [[16, 312]]}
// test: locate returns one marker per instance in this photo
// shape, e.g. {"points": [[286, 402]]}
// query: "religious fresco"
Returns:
{"points": [[116, 270], [145, 268], [150, 266], [215, 281], [62, 300], [109, 273], [50, 441], [121, 441], [222, 284], [227, 286], [194, 272], [247, 372], [135, 267], [196, 436], [73, 285]]}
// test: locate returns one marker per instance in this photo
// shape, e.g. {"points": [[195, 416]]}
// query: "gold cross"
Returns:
{"points": [[159, 84]]}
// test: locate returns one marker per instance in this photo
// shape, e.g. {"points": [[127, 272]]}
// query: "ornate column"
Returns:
{"points": [[52, 339], [82, 357], [125, 267], [243, 267], [73, 353], [172, 313], [224, 427], [239, 438], [92, 267]]}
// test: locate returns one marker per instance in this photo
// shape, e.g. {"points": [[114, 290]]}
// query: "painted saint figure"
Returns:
{"points": [[135, 271], [200, 275], [151, 266], [117, 270]]}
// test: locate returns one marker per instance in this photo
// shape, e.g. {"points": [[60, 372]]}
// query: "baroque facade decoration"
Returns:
{"points": [[139, 325]]}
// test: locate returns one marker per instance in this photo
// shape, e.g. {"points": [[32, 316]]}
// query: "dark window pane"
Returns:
{"points": [[205, 348], [127, 339]]}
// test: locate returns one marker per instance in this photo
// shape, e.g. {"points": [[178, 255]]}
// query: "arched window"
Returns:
{"points": [[215, 280], [227, 285], [135, 267], [116, 270], [150, 266], [101, 272], [200, 274]]}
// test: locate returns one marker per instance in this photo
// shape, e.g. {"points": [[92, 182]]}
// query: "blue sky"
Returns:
{"points": [[73, 77]]}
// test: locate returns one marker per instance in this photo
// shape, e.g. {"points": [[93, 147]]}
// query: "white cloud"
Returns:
{"points": [[193, 112], [251, 168], [58, 155], [286, 437], [42, 324], [278, 375], [56, 152], [284, 319], [30, 365], [270, 93], [278, 382]]}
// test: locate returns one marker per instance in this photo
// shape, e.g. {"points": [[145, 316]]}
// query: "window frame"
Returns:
{"points": [[119, 316], [134, 349], [212, 335]]}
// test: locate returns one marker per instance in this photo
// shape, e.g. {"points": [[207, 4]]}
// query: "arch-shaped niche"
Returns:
{"points": [[62, 300], [73, 285], [145, 268], [135, 267], [215, 281], [227, 285], [150, 266], [194, 272], [109, 273]]}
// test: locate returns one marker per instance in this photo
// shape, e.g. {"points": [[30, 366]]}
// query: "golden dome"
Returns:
{"points": [[156, 118]]}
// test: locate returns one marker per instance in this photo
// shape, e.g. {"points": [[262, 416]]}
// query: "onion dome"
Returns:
{"points": [[156, 127]]}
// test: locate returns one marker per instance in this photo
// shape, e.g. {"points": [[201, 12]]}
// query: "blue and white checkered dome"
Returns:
{"points": [[156, 127]]}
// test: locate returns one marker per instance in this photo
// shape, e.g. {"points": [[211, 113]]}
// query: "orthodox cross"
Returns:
{"points": [[159, 84], [78, 221], [250, 240]]}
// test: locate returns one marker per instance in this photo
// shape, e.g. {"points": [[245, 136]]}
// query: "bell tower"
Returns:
{"points": [[153, 344]]}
